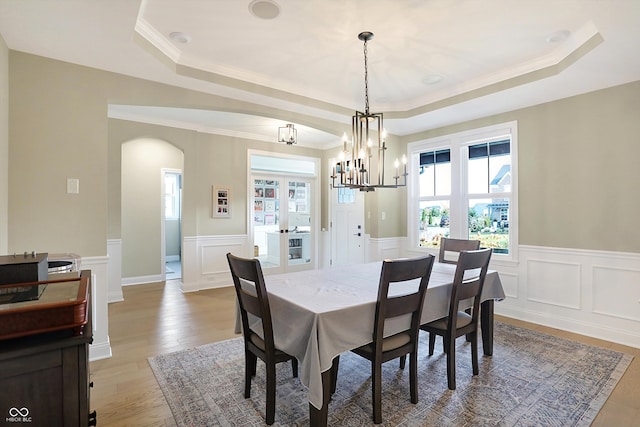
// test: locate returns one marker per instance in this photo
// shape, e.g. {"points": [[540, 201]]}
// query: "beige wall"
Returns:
{"points": [[576, 159], [4, 145], [142, 162], [209, 160], [583, 190], [578, 170], [59, 129], [393, 202], [120, 132]]}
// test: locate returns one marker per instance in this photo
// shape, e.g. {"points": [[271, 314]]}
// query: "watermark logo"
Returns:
{"points": [[18, 415]]}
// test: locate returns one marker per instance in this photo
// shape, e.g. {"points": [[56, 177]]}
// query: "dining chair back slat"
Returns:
{"points": [[469, 288], [252, 304], [451, 248], [401, 305]]}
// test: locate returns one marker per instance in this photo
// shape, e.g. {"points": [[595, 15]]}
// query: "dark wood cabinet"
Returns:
{"points": [[44, 378]]}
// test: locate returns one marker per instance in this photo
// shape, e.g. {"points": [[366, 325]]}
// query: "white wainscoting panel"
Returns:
{"points": [[509, 283], [616, 292], [205, 263], [589, 292], [378, 249], [553, 282], [593, 293], [213, 258], [190, 264], [101, 346]]}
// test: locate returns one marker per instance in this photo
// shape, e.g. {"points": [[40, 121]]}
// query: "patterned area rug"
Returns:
{"points": [[532, 379]]}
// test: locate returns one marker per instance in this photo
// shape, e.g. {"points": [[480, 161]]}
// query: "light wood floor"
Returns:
{"points": [[158, 318]]}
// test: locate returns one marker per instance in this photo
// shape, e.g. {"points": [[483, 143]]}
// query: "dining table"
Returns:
{"points": [[319, 314]]}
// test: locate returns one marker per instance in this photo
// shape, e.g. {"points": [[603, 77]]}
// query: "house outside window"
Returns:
{"points": [[465, 187]]}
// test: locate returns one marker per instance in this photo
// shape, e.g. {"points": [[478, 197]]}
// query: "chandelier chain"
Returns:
{"points": [[366, 80]]}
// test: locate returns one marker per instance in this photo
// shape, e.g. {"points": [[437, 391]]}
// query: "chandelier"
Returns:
{"points": [[287, 134], [355, 166]]}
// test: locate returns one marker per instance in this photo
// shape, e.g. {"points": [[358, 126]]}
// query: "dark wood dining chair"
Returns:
{"points": [[253, 299], [448, 246], [467, 284], [452, 248], [388, 306]]}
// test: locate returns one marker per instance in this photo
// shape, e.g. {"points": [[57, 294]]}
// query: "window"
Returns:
{"points": [[346, 195], [465, 188], [172, 195], [434, 182]]}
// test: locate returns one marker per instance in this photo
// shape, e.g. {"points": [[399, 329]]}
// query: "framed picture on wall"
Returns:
{"points": [[221, 202]]}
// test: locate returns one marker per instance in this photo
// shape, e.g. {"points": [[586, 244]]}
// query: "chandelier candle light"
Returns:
{"points": [[354, 167]]}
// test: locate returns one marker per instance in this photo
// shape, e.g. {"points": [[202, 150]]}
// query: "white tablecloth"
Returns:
{"points": [[320, 314]]}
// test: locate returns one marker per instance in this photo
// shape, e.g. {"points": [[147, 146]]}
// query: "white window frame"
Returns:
{"points": [[458, 144], [173, 196]]}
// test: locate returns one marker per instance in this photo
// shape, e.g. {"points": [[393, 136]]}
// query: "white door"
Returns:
{"points": [[282, 223], [347, 226]]}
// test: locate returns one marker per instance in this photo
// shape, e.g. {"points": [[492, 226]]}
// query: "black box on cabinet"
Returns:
{"points": [[24, 268]]}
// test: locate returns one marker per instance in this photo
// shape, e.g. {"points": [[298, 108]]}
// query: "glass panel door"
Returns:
{"points": [[299, 223], [266, 222], [282, 223]]}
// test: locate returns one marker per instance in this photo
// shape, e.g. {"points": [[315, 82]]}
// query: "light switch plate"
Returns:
{"points": [[73, 186]]}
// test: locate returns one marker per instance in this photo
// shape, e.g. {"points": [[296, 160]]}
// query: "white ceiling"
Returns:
{"points": [[491, 56]]}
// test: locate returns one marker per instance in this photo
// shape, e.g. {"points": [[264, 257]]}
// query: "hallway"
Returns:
{"points": [[173, 270]]}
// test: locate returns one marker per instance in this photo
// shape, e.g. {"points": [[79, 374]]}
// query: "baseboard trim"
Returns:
{"points": [[100, 351], [141, 280], [601, 332]]}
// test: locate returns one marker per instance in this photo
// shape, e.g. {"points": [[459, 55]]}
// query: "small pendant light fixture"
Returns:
{"points": [[288, 134]]}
